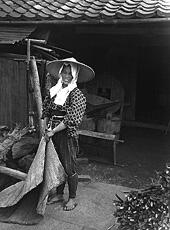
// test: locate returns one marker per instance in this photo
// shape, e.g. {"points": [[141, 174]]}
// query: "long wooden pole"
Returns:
{"points": [[12, 172], [37, 91], [27, 79]]}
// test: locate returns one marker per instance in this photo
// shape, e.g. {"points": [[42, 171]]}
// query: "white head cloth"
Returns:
{"points": [[60, 92]]}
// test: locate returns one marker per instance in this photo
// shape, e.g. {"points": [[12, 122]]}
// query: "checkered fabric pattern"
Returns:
{"points": [[74, 107]]}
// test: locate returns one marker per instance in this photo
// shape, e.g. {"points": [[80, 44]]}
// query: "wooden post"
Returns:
{"points": [[27, 79], [37, 91]]}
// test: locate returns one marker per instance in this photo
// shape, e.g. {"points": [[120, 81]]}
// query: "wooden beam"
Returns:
{"points": [[97, 135], [36, 40], [12, 172], [90, 21]]}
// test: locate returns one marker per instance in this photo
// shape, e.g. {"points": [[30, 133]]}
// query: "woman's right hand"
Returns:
{"points": [[44, 127], [48, 135], [44, 130]]}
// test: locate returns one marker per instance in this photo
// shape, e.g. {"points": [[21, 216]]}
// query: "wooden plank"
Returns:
{"points": [[97, 135], [12, 92], [12, 172]]}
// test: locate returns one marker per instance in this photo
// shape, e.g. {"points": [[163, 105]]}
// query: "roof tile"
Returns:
{"points": [[70, 4], [51, 7], [150, 2], [74, 1], [128, 6], [34, 11], [163, 7], [9, 3], [84, 4], [3, 14], [163, 13], [57, 4], [38, 7], [14, 14], [73, 15], [57, 15], [100, 3], [90, 1], [80, 7], [21, 10], [161, 3], [111, 7], [145, 14], [126, 10], [47, 11], [41, 14], [147, 9], [132, 2], [96, 7], [20, 2], [65, 7], [124, 14], [93, 11], [30, 2], [61, 11], [25, 6], [38, 1], [74, 9], [29, 14], [6, 8], [145, 5], [91, 14], [119, 1], [49, 1], [108, 14], [44, 4]]}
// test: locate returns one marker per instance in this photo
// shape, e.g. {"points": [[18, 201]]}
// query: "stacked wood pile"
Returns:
{"points": [[17, 150], [148, 208]]}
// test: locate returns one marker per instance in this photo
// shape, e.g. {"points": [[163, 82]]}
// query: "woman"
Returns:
{"points": [[63, 110]]}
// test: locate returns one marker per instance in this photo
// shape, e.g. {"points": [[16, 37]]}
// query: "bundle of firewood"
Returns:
{"points": [[17, 148], [146, 209]]}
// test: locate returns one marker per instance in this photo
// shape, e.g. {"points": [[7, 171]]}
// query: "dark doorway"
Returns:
{"points": [[153, 86]]}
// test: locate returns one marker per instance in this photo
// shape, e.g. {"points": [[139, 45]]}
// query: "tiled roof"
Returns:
{"points": [[37, 10], [11, 34]]}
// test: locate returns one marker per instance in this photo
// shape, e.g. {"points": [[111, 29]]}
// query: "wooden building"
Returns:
{"points": [[127, 40]]}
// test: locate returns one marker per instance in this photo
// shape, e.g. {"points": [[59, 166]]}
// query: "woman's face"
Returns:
{"points": [[66, 74]]}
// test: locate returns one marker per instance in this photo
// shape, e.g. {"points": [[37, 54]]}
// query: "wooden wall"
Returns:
{"points": [[13, 92]]}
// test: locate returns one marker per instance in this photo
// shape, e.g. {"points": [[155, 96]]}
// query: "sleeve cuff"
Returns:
{"points": [[65, 121], [44, 115]]}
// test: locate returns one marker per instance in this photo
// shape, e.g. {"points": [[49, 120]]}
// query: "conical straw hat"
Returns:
{"points": [[86, 73]]}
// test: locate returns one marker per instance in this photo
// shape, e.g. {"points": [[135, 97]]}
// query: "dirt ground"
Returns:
{"points": [[143, 152]]}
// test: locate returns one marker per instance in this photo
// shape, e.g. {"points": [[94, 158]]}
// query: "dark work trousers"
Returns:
{"points": [[67, 149]]}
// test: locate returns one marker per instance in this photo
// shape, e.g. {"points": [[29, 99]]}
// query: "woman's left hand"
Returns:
{"points": [[48, 135]]}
